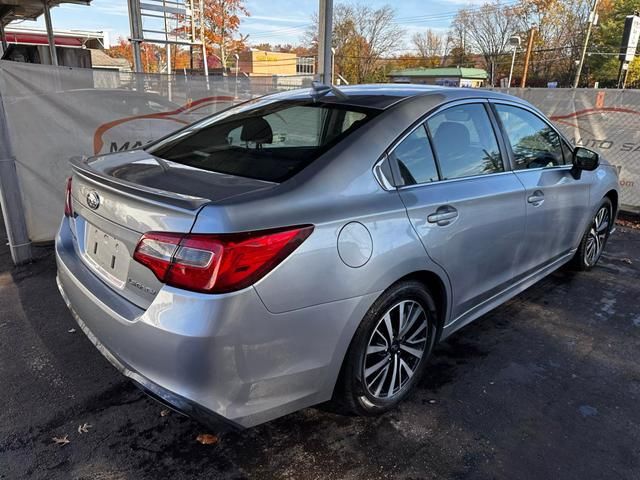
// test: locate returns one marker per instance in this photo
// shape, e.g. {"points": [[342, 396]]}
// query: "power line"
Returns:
{"points": [[407, 20]]}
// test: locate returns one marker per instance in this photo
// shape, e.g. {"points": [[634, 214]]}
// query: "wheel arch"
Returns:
{"points": [[437, 288], [613, 196]]}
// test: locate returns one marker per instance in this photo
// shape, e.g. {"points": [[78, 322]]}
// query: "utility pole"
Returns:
{"points": [[514, 41], [532, 33], [325, 14], [593, 16]]}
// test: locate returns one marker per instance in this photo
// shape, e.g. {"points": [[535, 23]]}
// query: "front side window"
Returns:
{"points": [[415, 158], [269, 141], [464, 142], [534, 143]]}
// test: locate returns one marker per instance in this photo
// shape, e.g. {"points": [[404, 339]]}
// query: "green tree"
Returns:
{"points": [[605, 48]]}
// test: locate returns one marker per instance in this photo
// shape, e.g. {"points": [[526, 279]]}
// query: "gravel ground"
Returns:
{"points": [[546, 386]]}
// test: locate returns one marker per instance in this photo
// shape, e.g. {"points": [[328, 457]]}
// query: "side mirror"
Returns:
{"points": [[585, 159]]}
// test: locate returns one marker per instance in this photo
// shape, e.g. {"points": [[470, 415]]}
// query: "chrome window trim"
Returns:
{"points": [[459, 179], [380, 177]]}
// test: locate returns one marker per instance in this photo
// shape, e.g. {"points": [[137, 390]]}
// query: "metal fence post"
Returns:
{"points": [[10, 199]]}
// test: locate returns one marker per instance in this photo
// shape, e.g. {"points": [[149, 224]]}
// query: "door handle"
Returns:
{"points": [[443, 216], [536, 198]]}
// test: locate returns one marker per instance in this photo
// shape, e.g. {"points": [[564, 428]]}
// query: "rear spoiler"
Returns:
{"points": [[80, 166]]}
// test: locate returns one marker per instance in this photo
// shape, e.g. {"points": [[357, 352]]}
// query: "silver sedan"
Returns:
{"points": [[315, 245]]}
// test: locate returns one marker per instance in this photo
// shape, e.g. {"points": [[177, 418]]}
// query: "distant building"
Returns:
{"points": [[74, 48], [258, 63], [445, 76], [101, 61]]}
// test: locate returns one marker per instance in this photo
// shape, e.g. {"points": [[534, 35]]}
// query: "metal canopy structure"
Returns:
{"points": [[167, 22], [11, 10]]}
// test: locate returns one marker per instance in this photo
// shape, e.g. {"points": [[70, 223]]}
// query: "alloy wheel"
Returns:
{"points": [[395, 349], [597, 236]]}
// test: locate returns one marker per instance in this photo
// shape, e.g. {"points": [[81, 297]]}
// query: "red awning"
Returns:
{"points": [[41, 39]]}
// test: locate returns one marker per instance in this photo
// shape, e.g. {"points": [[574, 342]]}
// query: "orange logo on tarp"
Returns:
{"points": [[172, 116]]}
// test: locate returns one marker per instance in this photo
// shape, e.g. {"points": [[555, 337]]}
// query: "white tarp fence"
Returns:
{"points": [[607, 121], [55, 113]]}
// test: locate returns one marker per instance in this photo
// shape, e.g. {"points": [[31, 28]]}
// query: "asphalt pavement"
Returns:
{"points": [[546, 386]]}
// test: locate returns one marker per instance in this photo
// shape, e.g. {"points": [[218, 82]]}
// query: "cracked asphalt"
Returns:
{"points": [[546, 386]]}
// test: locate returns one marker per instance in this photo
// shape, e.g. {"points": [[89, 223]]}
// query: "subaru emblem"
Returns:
{"points": [[93, 199]]}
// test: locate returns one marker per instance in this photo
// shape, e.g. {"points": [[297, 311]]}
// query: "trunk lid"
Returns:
{"points": [[117, 198]]}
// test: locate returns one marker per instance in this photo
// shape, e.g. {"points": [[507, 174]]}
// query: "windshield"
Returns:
{"points": [[267, 141]]}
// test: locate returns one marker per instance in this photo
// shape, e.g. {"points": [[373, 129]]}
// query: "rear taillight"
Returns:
{"points": [[217, 263], [68, 207]]}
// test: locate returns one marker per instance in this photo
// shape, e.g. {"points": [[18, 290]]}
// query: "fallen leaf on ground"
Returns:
{"points": [[72, 330], [84, 428], [628, 223], [165, 412], [62, 441], [207, 439]]}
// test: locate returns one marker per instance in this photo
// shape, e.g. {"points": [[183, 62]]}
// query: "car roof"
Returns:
{"points": [[384, 95]]}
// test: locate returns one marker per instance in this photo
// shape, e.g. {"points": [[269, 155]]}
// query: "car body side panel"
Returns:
{"points": [[553, 225], [602, 181], [479, 248]]}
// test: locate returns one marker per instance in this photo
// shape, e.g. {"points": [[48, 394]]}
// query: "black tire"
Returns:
{"points": [[585, 257], [352, 395]]}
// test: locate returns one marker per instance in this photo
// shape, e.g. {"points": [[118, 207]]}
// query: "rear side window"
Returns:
{"points": [[415, 158], [271, 142], [464, 142], [534, 143]]}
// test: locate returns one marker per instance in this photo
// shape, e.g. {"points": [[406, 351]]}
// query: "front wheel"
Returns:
{"points": [[595, 238], [389, 350]]}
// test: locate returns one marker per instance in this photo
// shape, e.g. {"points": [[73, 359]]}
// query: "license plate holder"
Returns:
{"points": [[107, 254]]}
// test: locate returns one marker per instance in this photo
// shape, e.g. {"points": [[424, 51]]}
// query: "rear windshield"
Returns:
{"points": [[269, 141]]}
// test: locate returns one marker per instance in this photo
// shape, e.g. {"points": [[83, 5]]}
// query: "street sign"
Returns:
{"points": [[630, 38]]}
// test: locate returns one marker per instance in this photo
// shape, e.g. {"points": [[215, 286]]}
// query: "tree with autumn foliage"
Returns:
{"points": [[154, 56], [222, 24], [149, 54]]}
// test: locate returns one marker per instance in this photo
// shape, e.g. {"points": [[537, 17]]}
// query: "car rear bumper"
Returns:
{"points": [[158, 393], [214, 357]]}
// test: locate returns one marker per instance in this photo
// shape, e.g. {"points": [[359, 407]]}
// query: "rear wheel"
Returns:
{"points": [[389, 350], [595, 238]]}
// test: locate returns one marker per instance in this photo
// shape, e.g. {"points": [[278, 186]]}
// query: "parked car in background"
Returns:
{"points": [[316, 244]]}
